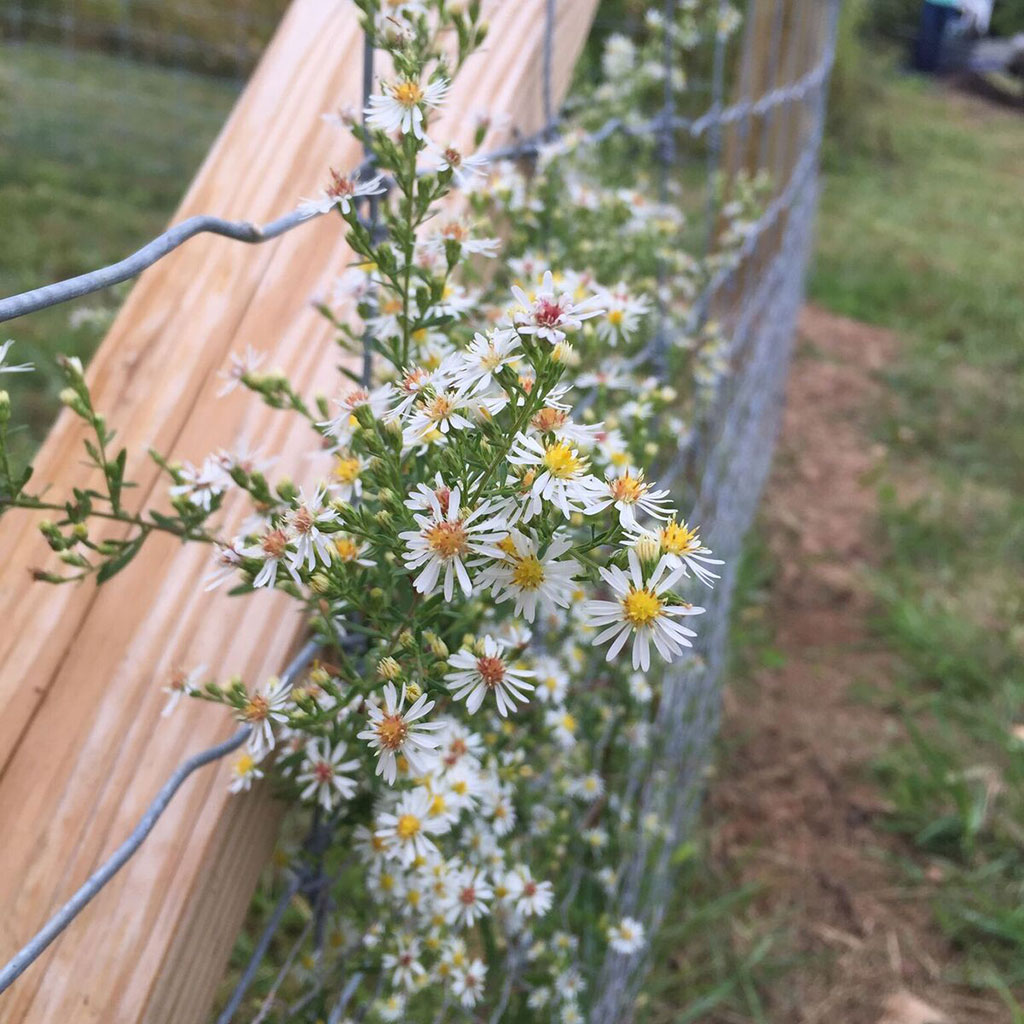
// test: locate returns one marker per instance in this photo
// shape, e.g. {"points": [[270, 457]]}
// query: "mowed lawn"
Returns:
{"points": [[922, 230], [95, 153]]}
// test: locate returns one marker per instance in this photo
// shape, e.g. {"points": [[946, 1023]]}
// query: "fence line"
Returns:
{"points": [[752, 407]]}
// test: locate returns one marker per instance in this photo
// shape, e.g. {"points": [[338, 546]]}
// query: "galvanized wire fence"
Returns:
{"points": [[765, 116]]}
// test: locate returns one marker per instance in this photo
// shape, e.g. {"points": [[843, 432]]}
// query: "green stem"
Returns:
{"points": [[184, 533]]}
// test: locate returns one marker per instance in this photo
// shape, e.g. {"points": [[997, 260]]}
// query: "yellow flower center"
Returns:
{"points": [[440, 408], [437, 805], [568, 722], [615, 317], [548, 419], [391, 731], [256, 709], [508, 545], [407, 93], [448, 540], [491, 671], [347, 470], [677, 539], [244, 765], [562, 461], [408, 825], [627, 488], [348, 550], [641, 607], [528, 573]]}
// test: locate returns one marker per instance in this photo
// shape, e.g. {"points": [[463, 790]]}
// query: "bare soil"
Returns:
{"points": [[792, 805]]}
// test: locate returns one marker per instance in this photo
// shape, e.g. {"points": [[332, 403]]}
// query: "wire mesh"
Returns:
{"points": [[774, 126]]}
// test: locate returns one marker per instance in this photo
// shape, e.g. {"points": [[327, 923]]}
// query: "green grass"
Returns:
{"points": [[95, 153], [922, 230]]}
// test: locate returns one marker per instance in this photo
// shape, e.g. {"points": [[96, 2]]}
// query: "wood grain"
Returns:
{"points": [[82, 747]]}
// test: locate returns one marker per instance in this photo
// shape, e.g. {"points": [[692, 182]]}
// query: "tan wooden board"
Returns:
{"points": [[82, 747]]}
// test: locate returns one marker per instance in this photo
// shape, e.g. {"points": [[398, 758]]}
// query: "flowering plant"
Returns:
{"points": [[489, 568]]}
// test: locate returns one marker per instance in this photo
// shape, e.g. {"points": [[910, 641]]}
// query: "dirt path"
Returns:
{"points": [[792, 805]]}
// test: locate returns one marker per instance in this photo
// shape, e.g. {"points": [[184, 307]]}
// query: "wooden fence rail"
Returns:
{"points": [[82, 746]]}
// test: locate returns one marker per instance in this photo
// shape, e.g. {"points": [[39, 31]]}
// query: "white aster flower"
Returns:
{"points": [[478, 674], [244, 365], [404, 963], [641, 610], [590, 787], [612, 374], [529, 897], [407, 830], [244, 771], [201, 487], [563, 725], [323, 775], [272, 550], [342, 191], [435, 416], [622, 315], [467, 899], [473, 369], [552, 680], [681, 545], [629, 492], [227, 559], [304, 523], [343, 426], [346, 476], [560, 475], [455, 230], [553, 419], [627, 936], [261, 710], [181, 684], [464, 168], [445, 538], [468, 983], [395, 732], [348, 549], [532, 578], [401, 105], [548, 314]]}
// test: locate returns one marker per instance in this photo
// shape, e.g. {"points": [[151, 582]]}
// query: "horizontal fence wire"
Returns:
{"points": [[728, 452], [99, 878], [244, 231]]}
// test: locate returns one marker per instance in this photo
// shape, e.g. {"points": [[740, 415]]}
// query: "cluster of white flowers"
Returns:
{"points": [[494, 575]]}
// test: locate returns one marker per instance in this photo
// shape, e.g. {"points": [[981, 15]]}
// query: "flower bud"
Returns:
{"points": [[406, 639], [71, 365], [437, 646], [5, 407], [414, 691], [69, 397], [319, 583], [388, 668], [648, 547]]}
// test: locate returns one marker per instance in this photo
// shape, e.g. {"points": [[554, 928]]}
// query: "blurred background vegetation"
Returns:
{"points": [[921, 230]]}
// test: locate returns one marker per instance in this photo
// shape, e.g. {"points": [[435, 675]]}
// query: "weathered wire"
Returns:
{"points": [[99, 878], [245, 231]]}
